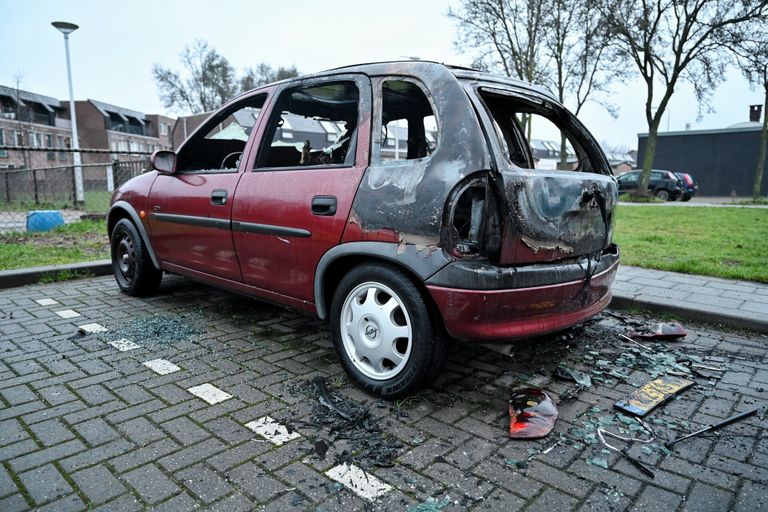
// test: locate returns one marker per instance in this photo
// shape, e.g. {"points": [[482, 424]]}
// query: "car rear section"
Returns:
{"points": [[530, 244]]}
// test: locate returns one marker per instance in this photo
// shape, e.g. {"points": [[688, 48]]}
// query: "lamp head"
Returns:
{"points": [[64, 27]]}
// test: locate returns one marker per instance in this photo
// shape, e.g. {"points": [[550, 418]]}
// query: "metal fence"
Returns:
{"points": [[35, 198]]}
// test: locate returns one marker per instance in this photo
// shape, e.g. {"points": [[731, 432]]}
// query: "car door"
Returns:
{"points": [[628, 181], [292, 206], [191, 209]]}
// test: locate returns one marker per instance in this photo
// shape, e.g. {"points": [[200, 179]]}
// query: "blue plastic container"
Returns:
{"points": [[44, 220]]}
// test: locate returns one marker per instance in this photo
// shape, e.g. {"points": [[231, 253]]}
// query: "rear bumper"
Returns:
{"points": [[474, 311]]}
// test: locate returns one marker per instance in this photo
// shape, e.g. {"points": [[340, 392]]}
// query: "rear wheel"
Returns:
{"points": [[383, 333], [134, 272], [686, 198], [662, 194]]}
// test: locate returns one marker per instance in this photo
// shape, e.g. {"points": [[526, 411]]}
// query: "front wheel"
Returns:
{"points": [[134, 272], [382, 331], [662, 194]]}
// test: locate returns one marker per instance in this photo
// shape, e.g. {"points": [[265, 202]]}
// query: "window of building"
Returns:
{"points": [[60, 141], [164, 129], [49, 144], [3, 152], [19, 138], [408, 124], [308, 109]]}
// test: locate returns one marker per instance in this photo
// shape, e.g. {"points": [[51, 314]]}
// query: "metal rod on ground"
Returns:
{"points": [[714, 426]]}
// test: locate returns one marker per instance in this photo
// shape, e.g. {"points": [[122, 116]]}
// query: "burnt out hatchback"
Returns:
{"points": [[402, 201]]}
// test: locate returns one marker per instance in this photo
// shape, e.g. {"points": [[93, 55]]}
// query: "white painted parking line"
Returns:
{"points": [[271, 430], [67, 313], [358, 481], [124, 345], [92, 328], [161, 366], [46, 302], [209, 393]]}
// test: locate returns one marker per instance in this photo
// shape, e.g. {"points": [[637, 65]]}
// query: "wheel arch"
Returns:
{"points": [[124, 210], [414, 262]]}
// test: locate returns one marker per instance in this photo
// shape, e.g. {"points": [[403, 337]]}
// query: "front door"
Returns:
{"points": [[293, 205], [190, 211]]}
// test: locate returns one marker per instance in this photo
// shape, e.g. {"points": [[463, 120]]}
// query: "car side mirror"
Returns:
{"points": [[163, 161]]}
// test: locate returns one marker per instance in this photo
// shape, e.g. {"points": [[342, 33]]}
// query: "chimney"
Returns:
{"points": [[754, 113]]}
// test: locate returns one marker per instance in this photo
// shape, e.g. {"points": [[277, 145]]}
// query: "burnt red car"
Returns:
{"points": [[399, 200]]}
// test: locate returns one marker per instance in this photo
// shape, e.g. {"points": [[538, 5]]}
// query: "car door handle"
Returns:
{"points": [[219, 197], [324, 205]]}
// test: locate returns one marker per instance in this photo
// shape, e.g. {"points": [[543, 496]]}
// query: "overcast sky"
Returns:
{"points": [[117, 44]]}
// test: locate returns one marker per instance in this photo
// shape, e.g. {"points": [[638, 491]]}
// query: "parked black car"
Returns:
{"points": [[690, 187], [664, 184]]}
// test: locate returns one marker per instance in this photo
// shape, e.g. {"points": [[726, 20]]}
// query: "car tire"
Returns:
{"points": [[134, 272], [685, 198], [383, 332], [663, 194]]}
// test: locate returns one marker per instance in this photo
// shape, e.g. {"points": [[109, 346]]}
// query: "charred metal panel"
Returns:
{"points": [[406, 199]]}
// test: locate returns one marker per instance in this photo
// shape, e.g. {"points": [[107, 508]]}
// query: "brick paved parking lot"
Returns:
{"points": [[199, 398]]}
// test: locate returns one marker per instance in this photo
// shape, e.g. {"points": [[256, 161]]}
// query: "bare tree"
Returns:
{"points": [[751, 54], [560, 44], [585, 64], [263, 74], [506, 34], [670, 41], [208, 80]]}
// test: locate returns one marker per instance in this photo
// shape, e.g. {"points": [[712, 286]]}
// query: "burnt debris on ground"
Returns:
{"points": [[348, 426]]}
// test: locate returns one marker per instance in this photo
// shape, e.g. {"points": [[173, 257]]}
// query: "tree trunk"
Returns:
{"points": [[761, 154], [650, 154]]}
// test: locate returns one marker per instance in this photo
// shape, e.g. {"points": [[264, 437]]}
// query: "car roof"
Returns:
{"points": [[418, 67]]}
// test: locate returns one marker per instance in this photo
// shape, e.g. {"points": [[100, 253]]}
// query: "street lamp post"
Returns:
{"points": [[66, 29]]}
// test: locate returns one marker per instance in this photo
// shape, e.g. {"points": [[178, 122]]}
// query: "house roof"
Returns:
{"points": [[46, 101], [124, 113]]}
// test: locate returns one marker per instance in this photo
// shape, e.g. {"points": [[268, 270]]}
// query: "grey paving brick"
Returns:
{"points": [[180, 503], [95, 455], [256, 483], [46, 455], [51, 432], [185, 431], [151, 483], [552, 499], [45, 484], [204, 483], [191, 454], [18, 394], [14, 503], [140, 430], [245, 451], [705, 498], [653, 499], [6, 483], [234, 503], [561, 480], [140, 456], [98, 484], [12, 431], [96, 431]]}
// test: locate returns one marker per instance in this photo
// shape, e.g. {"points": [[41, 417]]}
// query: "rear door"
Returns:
{"points": [[191, 209], [557, 186], [292, 204]]}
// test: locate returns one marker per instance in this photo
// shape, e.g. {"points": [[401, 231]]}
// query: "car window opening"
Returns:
{"points": [[313, 126], [219, 145], [536, 135], [409, 127]]}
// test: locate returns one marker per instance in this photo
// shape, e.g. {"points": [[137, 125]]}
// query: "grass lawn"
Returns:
{"points": [[85, 240], [723, 242]]}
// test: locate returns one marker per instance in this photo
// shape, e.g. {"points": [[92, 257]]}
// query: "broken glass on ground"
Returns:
{"points": [[569, 374], [532, 414]]}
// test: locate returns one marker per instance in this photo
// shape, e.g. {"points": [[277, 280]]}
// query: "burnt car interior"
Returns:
{"points": [[515, 118], [219, 144], [334, 106], [405, 101]]}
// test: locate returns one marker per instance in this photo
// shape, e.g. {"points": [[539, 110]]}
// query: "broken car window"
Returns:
{"points": [[313, 126], [219, 145], [409, 128], [535, 134]]}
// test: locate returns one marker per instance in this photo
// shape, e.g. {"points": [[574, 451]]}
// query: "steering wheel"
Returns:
{"points": [[233, 154]]}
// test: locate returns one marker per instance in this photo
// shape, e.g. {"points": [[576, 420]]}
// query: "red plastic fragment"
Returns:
{"points": [[532, 414]]}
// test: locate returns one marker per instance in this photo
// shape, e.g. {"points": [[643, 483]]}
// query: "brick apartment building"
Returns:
{"points": [[29, 119]]}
